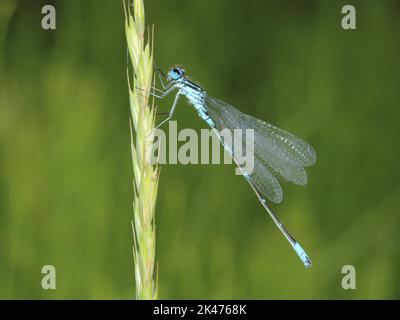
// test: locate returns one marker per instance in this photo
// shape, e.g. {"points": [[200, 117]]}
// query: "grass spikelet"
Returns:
{"points": [[145, 174]]}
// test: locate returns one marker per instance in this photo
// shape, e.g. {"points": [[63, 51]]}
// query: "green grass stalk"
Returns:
{"points": [[146, 175]]}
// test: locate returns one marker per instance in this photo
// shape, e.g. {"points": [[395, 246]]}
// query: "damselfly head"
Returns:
{"points": [[175, 73]]}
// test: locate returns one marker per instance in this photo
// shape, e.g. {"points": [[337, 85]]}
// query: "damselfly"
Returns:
{"points": [[277, 153]]}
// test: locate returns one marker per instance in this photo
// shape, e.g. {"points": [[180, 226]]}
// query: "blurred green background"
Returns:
{"points": [[65, 166]]}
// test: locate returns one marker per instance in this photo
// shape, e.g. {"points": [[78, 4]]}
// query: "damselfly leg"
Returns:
{"points": [[163, 93], [171, 112], [160, 75]]}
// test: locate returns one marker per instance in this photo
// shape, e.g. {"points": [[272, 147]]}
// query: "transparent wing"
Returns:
{"points": [[276, 152]]}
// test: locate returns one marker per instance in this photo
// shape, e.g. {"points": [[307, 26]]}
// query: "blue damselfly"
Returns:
{"points": [[277, 153]]}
